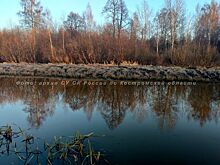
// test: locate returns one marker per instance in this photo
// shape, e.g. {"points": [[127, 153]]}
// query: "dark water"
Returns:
{"points": [[142, 124]]}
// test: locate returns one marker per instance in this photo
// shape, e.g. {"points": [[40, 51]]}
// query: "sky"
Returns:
{"points": [[61, 8]]}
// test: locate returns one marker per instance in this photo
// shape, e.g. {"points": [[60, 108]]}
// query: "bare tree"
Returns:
{"points": [[170, 21], [135, 26], [169, 38], [134, 31], [90, 23], [49, 27], [117, 12], [208, 23], [157, 32], [162, 27], [181, 19], [31, 14], [74, 23], [111, 9], [144, 14], [31, 18], [122, 17]]}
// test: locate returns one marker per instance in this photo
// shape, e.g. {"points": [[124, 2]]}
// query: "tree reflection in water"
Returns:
{"points": [[39, 104], [163, 106], [201, 99], [200, 103]]}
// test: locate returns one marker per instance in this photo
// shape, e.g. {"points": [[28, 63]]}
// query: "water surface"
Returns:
{"points": [[159, 124]]}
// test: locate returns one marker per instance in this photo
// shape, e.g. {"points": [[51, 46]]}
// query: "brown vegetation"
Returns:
{"points": [[167, 38], [114, 102], [113, 72]]}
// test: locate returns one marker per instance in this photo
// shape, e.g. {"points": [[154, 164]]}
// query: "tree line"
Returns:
{"points": [[170, 37], [114, 103]]}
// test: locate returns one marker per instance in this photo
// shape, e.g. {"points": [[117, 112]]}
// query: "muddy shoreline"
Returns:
{"points": [[110, 72]]}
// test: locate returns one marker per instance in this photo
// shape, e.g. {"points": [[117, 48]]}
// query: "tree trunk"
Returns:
{"points": [[51, 46]]}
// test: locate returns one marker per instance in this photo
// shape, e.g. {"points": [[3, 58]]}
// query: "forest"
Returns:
{"points": [[172, 36]]}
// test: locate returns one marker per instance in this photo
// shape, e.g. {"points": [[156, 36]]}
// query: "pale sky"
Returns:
{"points": [[61, 8]]}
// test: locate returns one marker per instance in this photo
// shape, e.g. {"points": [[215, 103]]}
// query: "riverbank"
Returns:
{"points": [[112, 72]]}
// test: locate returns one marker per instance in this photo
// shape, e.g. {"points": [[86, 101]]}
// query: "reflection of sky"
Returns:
{"points": [[12, 113], [215, 105], [187, 141], [64, 119]]}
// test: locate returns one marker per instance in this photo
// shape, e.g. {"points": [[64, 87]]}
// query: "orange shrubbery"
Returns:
{"points": [[165, 43]]}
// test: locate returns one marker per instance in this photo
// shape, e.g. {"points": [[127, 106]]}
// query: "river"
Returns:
{"points": [[141, 124]]}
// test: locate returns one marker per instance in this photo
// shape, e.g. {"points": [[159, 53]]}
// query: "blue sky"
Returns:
{"points": [[60, 8]]}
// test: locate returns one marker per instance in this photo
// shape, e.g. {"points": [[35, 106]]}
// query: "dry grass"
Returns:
{"points": [[105, 71]]}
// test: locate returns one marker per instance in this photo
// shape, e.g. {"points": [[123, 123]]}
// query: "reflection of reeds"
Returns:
{"points": [[76, 149]]}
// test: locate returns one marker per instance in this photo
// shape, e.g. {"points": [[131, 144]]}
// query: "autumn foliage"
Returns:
{"points": [[170, 37]]}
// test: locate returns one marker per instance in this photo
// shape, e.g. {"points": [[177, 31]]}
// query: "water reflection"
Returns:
{"points": [[200, 103]]}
